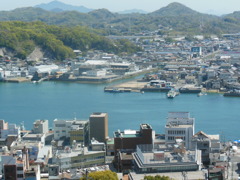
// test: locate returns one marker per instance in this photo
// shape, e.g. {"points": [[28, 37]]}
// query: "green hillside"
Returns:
{"points": [[59, 41], [175, 16]]}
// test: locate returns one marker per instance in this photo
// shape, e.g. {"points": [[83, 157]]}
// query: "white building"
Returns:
{"points": [[97, 73], [5, 74], [43, 69], [179, 126], [61, 128], [77, 130], [40, 127], [11, 129], [77, 157]]}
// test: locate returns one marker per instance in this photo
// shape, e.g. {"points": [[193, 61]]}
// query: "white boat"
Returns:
{"points": [[200, 94], [171, 94]]}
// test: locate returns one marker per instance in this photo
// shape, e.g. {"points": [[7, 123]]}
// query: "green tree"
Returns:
{"points": [[101, 175], [157, 177]]}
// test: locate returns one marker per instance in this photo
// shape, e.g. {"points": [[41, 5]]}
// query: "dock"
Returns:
{"points": [[129, 86], [16, 80]]}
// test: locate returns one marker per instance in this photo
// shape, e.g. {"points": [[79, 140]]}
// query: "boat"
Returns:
{"points": [[200, 94], [172, 93], [190, 90], [232, 93], [116, 90]]}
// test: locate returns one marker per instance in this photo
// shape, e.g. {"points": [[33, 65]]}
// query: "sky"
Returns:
{"points": [[217, 7]]}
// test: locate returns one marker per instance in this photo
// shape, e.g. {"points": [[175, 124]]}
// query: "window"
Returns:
{"points": [[60, 125], [20, 175], [19, 168]]}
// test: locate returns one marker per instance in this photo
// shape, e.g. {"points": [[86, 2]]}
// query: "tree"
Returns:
{"points": [[101, 175], [157, 177]]}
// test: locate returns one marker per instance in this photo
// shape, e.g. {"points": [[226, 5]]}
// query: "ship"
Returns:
{"points": [[190, 90], [233, 93]]}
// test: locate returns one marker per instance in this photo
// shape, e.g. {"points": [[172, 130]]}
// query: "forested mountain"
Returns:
{"points": [[60, 6], [175, 16], [175, 9], [59, 33], [57, 41]]}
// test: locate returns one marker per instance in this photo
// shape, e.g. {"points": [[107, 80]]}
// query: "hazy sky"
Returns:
{"points": [[206, 6]]}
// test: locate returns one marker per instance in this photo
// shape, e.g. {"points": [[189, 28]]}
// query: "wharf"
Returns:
{"points": [[155, 89], [129, 86], [17, 80], [134, 86]]}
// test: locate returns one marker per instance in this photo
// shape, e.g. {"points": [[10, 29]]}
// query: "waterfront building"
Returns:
{"points": [[179, 126], [40, 127], [73, 129], [96, 73], [99, 126], [150, 160], [43, 69]]}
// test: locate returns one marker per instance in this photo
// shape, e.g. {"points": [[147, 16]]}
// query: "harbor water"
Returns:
{"points": [[27, 102]]}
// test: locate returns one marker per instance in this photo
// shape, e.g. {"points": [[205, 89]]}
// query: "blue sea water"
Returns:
{"points": [[27, 102]]}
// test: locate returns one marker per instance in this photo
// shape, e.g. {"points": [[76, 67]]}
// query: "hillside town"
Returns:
{"points": [[74, 147], [157, 90], [210, 64]]}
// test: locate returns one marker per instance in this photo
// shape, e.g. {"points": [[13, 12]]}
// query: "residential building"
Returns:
{"points": [[207, 144], [99, 126], [80, 132], [34, 137], [33, 147], [14, 167], [40, 127], [180, 126], [73, 129], [5, 137], [3, 124]]}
